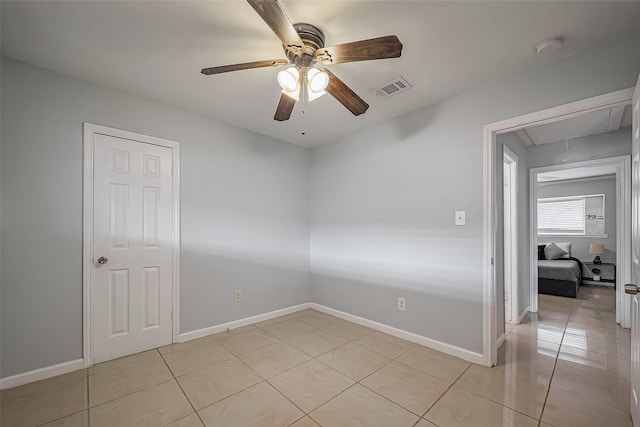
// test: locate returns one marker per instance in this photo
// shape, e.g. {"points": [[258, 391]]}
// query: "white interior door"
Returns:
{"points": [[510, 218], [508, 276], [635, 260], [133, 247]]}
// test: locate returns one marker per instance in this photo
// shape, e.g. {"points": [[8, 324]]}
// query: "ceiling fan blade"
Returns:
{"points": [[363, 50], [285, 107], [343, 93], [274, 15], [244, 66]]}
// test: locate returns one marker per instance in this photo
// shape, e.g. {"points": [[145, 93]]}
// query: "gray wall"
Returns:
{"points": [[244, 213], [378, 205], [580, 245], [383, 199]]}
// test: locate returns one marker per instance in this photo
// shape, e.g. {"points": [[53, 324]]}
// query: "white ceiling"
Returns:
{"points": [[593, 123], [155, 49]]}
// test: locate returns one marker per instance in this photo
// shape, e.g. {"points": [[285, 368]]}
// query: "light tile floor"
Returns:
{"points": [[567, 365]]}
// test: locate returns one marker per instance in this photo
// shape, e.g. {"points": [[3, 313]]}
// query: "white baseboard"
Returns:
{"points": [[63, 368], [198, 333], [523, 315], [41, 374], [400, 333]]}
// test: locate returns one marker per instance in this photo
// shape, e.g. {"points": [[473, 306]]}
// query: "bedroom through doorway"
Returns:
{"points": [[579, 163], [580, 220]]}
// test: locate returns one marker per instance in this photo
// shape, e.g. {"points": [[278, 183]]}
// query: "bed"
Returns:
{"points": [[558, 272]]}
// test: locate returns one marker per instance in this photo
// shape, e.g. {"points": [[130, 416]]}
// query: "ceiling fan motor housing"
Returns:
{"points": [[313, 39]]}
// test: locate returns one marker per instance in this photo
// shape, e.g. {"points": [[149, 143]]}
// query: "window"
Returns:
{"points": [[573, 215]]}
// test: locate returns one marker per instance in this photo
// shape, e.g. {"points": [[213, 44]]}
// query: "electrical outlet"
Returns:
{"points": [[237, 296], [402, 304], [461, 217]]}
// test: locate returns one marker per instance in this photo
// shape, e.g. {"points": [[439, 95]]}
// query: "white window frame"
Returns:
{"points": [[585, 232]]}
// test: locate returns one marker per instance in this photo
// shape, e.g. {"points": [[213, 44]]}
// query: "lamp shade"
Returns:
{"points": [[318, 80], [288, 79], [596, 248]]}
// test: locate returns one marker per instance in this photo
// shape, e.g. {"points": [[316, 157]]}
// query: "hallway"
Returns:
{"points": [[575, 346]]}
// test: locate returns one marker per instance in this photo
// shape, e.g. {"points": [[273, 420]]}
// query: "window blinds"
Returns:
{"points": [[566, 216]]}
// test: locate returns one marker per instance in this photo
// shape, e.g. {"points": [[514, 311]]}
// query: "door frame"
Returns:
{"points": [[514, 257], [623, 228], [489, 291], [90, 130]]}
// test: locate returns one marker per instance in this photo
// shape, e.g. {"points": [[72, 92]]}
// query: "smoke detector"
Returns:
{"points": [[549, 46], [393, 87]]}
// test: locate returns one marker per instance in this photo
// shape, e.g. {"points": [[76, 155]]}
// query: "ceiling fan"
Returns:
{"points": [[304, 49]]}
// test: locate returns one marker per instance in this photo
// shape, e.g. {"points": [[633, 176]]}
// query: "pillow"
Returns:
{"points": [[552, 251], [541, 252], [565, 247]]}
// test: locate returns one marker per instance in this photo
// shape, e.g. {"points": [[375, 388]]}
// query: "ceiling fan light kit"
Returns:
{"points": [[304, 48], [318, 81], [288, 79], [291, 80]]}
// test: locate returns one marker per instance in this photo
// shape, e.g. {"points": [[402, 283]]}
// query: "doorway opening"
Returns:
{"points": [[591, 176], [493, 258]]}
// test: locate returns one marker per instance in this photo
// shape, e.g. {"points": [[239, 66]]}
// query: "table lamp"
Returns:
{"points": [[597, 249]]}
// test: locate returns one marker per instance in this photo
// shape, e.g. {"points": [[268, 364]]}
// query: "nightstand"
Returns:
{"points": [[606, 271]]}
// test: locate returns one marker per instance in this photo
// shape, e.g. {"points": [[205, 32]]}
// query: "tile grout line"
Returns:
{"points": [[489, 399], [346, 376], [502, 403], [132, 392], [286, 397], [410, 367], [183, 392], [555, 364], [575, 306], [60, 418], [445, 392], [352, 341], [265, 379], [88, 391], [89, 407]]}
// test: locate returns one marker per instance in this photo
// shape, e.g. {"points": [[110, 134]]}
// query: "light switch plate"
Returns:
{"points": [[461, 218]]}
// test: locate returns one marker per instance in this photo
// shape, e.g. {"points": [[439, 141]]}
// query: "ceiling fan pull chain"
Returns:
{"points": [[303, 99]]}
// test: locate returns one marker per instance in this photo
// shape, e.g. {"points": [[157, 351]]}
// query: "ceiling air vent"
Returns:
{"points": [[397, 85]]}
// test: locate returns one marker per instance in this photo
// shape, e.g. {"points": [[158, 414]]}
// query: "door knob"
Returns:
{"points": [[631, 289], [103, 260]]}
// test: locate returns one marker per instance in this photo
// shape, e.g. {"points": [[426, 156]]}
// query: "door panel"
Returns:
{"points": [[119, 302], [133, 232], [151, 297]]}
